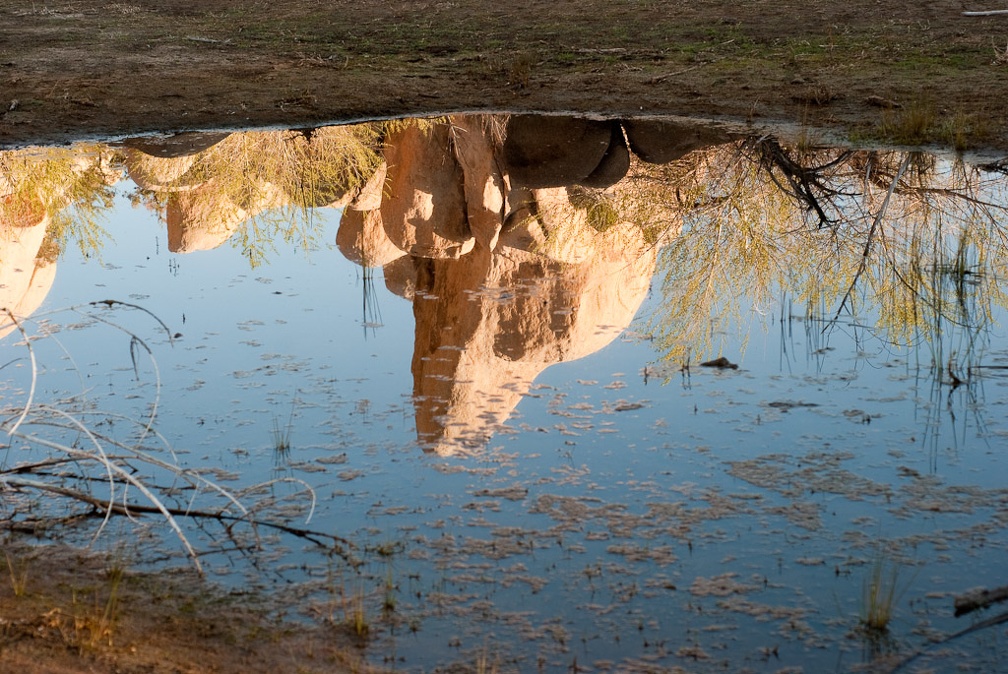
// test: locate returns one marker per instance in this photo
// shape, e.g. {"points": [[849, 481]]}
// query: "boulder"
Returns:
{"points": [[544, 151], [424, 207], [661, 142]]}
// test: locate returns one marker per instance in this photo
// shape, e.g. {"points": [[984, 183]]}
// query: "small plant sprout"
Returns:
{"points": [[18, 575], [881, 591], [282, 439], [356, 616]]}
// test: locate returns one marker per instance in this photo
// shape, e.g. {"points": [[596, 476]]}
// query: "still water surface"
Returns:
{"points": [[523, 458]]}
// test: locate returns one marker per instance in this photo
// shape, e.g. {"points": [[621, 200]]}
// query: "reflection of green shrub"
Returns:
{"points": [[602, 214]]}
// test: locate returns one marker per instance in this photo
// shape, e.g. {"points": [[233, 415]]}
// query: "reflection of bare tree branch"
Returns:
{"points": [[871, 235], [806, 184]]}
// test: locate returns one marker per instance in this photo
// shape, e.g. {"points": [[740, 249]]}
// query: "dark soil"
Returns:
{"points": [[858, 70]]}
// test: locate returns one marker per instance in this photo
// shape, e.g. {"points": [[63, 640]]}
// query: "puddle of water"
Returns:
{"points": [[516, 464]]}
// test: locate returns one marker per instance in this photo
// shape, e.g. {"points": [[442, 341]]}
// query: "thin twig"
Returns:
{"points": [[871, 235], [34, 373]]}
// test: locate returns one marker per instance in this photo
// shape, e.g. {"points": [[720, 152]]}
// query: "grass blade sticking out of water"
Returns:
{"points": [[882, 589]]}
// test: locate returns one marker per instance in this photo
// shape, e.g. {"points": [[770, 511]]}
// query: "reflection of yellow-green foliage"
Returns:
{"points": [[921, 241], [273, 178], [73, 186], [312, 168]]}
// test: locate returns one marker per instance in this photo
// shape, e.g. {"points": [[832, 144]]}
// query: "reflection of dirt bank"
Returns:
{"points": [[476, 222]]}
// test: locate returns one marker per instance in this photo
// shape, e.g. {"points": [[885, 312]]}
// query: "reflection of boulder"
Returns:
{"points": [[661, 142], [401, 276], [544, 151], [423, 209], [160, 173], [361, 236], [362, 239], [25, 276], [205, 216], [614, 164], [159, 163], [177, 145]]}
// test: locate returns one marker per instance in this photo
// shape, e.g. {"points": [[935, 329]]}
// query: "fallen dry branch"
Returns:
{"points": [[976, 627], [978, 599], [102, 507]]}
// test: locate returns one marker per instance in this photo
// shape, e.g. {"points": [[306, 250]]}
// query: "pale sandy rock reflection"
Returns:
{"points": [[26, 275], [505, 279]]}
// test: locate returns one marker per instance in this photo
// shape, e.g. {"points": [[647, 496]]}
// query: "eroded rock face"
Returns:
{"points": [[424, 208]]}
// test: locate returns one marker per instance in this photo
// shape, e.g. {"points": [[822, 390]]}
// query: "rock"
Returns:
{"points": [[424, 206], [542, 151], [483, 183], [661, 142], [720, 363]]}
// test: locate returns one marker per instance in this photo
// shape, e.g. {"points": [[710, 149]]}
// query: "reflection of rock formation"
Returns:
{"points": [[488, 324], [210, 184], [35, 186], [26, 276], [477, 224]]}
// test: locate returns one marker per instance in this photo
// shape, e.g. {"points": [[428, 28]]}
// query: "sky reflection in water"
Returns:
{"points": [[627, 514]]}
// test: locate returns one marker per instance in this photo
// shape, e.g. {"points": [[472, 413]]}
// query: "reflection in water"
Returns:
{"points": [[521, 243], [526, 241], [45, 200]]}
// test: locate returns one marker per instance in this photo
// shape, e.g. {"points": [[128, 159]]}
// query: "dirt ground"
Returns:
{"points": [[63, 612], [859, 70]]}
